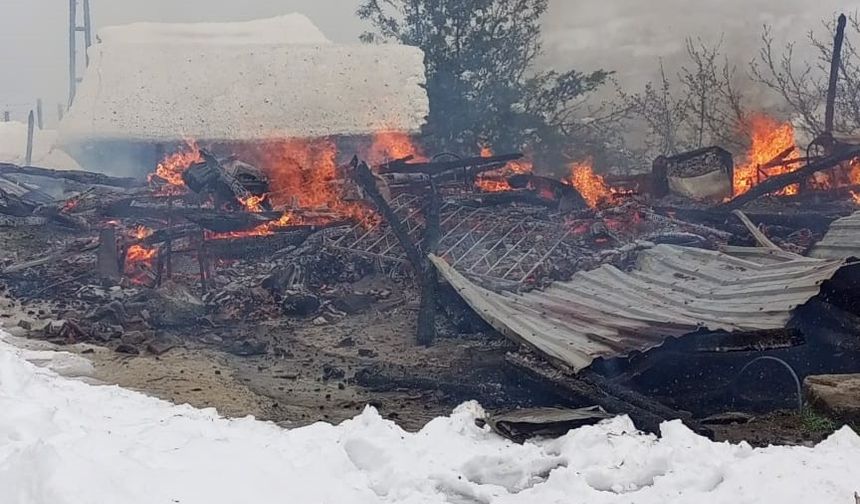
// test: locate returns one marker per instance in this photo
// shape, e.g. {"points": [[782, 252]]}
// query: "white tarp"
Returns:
{"points": [[223, 82]]}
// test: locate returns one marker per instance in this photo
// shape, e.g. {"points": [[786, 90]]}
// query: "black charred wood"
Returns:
{"points": [[779, 182], [592, 389], [250, 247], [437, 167], [82, 177], [565, 195], [523, 196]]}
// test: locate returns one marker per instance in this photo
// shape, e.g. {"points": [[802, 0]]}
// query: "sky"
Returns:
{"points": [[624, 35]]}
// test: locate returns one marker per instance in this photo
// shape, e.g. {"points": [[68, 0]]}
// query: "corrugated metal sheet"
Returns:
{"points": [[841, 241], [672, 291]]}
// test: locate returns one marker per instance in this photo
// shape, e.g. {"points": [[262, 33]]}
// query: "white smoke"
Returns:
{"points": [[631, 36]]}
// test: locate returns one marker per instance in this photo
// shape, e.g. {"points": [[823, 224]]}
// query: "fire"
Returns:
{"points": [[141, 232], [495, 181], [253, 204], [591, 186], [171, 168], [301, 173], [488, 184], [388, 146], [266, 229], [138, 257], [856, 197], [770, 139]]}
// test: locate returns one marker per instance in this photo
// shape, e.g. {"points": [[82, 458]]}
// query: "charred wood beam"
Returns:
{"points": [[367, 181], [752, 341], [429, 277], [524, 196], [82, 177], [107, 257], [779, 182], [13, 205], [437, 167], [726, 221], [423, 179], [77, 248], [567, 197], [590, 388], [256, 246], [835, 65], [427, 313]]}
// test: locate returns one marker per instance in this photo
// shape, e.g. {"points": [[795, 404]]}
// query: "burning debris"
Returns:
{"points": [[614, 290]]}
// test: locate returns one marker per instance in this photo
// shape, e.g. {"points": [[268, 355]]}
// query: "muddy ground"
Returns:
{"points": [[293, 371]]}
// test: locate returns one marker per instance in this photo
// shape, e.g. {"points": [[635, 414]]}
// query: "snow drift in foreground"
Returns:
{"points": [[63, 441]]}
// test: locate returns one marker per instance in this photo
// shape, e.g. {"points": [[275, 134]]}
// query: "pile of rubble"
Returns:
{"points": [[600, 281]]}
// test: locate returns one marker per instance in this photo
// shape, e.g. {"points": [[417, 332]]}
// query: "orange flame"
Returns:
{"points": [[253, 204], [171, 168], [138, 257], [266, 229], [388, 146], [770, 139], [494, 181], [591, 186]]}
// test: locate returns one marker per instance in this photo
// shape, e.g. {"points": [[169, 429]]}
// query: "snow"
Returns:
{"points": [[289, 29], [65, 442], [226, 82], [13, 147]]}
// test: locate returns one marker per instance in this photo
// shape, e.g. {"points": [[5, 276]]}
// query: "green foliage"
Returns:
{"points": [[481, 79], [813, 422]]}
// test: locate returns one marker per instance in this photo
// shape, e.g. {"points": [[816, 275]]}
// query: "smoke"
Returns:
{"points": [[627, 36], [631, 36]]}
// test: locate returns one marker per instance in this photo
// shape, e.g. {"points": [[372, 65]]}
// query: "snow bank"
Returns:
{"points": [[289, 29], [65, 442], [13, 147], [225, 82]]}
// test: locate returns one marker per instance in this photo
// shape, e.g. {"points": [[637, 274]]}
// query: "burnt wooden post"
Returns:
{"points": [[39, 116], [5, 116], [31, 125], [426, 318], [108, 258], [88, 31], [203, 261], [60, 112], [429, 277], [73, 64], [168, 246], [835, 66]]}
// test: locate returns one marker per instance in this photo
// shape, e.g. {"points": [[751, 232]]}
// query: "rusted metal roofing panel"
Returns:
{"points": [[841, 241], [672, 291]]}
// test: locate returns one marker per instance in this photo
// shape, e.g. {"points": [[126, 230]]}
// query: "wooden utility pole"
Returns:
{"points": [[31, 126], [6, 116], [73, 62], [74, 29], [39, 117], [835, 65]]}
